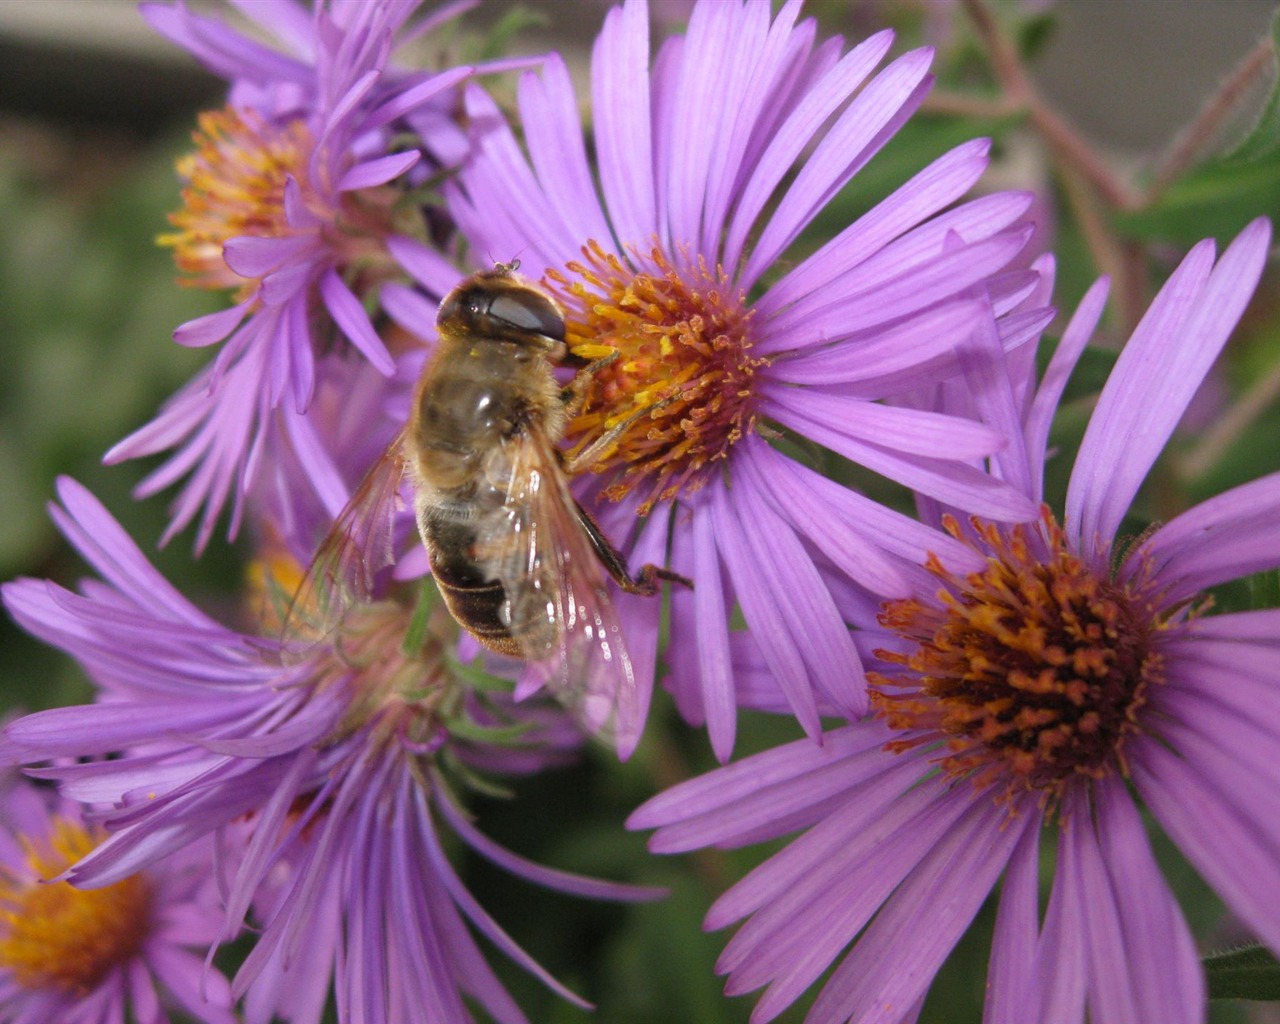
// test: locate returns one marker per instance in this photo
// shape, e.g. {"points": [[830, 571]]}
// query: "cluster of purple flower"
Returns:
{"points": [[1009, 676]]}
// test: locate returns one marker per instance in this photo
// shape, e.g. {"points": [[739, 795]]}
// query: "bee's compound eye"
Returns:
{"points": [[529, 311]]}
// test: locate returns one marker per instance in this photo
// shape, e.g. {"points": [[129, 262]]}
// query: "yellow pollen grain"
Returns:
{"points": [[682, 387], [55, 936]]}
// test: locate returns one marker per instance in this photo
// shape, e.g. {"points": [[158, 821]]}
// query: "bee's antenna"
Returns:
{"points": [[510, 266]]}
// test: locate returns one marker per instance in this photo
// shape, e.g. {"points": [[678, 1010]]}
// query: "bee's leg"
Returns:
{"points": [[596, 450], [574, 393], [645, 581]]}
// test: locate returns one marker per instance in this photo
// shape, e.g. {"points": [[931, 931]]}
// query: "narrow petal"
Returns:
{"points": [[711, 627], [1238, 854], [1011, 978], [1044, 406], [1155, 378], [1156, 949], [212, 327], [869, 121], [1231, 535], [425, 265], [379, 171], [927, 914], [620, 107], [354, 321], [797, 132], [549, 114], [953, 483]]}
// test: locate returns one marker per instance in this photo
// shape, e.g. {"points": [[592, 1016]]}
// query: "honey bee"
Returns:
{"points": [[521, 565]]}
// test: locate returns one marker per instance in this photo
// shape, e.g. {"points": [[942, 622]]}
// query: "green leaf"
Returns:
{"points": [[1216, 200], [1263, 138], [1264, 590], [1247, 973]]}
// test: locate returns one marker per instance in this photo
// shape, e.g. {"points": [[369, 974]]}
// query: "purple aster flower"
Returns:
{"points": [[289, 202], [679, 261], [329, 771], [1035, 700], [86, 956]]}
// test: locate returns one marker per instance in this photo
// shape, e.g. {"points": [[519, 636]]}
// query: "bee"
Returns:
{"points": [[521, 565]]}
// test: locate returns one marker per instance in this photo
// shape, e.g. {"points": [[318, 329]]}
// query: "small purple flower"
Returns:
{"points": [[289, 202], [1022, 701], [678, 261], [89, 956], [329, 771]]}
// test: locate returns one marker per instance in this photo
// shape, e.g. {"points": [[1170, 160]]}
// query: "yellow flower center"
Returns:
{"points": [[1032, 672], [683, 379], [234, 185], [53, 935]]}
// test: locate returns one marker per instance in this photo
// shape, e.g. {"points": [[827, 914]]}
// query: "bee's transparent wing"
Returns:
{"points": [[358, 545], [558, 606]]}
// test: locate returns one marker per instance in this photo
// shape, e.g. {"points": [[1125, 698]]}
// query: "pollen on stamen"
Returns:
{"points": [[1029, 674], [682, 387], [234, 185], [55, 936]]}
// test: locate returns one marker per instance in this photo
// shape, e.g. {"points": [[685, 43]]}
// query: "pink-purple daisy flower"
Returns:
{"points": [[290, 197], [329, 768], [95, 956], [1041, 700], [678, 260]]}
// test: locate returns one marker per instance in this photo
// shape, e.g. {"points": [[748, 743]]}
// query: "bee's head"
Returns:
{"points": [[498, 305]]}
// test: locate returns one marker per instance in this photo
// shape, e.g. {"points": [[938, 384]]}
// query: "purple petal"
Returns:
{"points": [[884, 360], [549, 113], [826, 514], [212, 327], [1236, 851], [869, 121], [226, 53], [953, 483], [895, 224], [787, 606], [1153, 945], [896, 958], [1011, 976], [500, 208], [696, 129], [620, 106], [986, 372], [416, 95], [898, 282], [1229, 536], [1155, 378], [379, 171], [425, 265], [252, 256], [797, 131], [1061, 959], [758, 792], [711, 629], [484, 923], [762, 66], [354, 321], [1044, 406]]}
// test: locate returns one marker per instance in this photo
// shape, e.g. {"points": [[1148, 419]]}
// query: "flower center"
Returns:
{"points": [[234, 185], [1032, 672], [53, 935], [681, 389]]}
